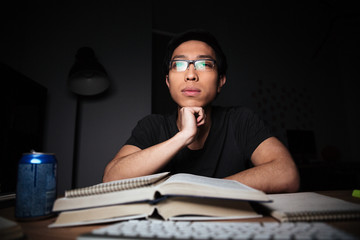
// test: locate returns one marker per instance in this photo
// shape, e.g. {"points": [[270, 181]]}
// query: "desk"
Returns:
{"points": [[38, 230]]}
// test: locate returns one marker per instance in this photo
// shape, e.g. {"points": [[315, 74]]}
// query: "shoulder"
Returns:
{"points": [[150, 130], [157, 118], [246, 126], [241, 119], [234, 112], [154, 121], [152, 118]]}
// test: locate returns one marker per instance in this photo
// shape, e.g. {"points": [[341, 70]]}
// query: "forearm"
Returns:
{"points": [[131, 161], [144, 162], [272, 177]]}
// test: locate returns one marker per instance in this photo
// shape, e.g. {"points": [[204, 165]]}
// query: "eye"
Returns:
{"points": [[204, 64], [178, 65], [200, 65]]}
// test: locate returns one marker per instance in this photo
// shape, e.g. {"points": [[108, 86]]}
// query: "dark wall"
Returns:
{"points": [[22, 122], [40, 39], [294, 62]]}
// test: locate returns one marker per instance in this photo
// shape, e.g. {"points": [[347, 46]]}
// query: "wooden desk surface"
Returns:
{"points": [[38, 230]]}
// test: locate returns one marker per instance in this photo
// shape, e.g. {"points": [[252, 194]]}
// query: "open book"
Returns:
{"points": [[177, 197], [310, 206]]}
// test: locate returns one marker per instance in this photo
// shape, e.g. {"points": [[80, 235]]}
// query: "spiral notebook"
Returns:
{"points": [[119, 185], [310, 206]]}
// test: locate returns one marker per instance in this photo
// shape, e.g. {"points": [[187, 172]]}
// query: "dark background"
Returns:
{"points": [[296, 63]]}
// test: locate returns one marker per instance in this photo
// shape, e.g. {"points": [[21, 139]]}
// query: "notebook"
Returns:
{"points": [[310, 206]]}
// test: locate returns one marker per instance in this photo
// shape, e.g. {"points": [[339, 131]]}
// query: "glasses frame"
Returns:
{"points": [[191, 62]]}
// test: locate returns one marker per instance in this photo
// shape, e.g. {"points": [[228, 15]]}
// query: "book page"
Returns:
{"points": [[206, 181], [185, 208], [103, 215], [199, 186]]}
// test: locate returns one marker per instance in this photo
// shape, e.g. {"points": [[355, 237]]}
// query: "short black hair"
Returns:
{"points": [[199, 35]]}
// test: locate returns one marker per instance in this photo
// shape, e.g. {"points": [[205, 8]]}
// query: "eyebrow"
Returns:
{"points": [[197, 57]]}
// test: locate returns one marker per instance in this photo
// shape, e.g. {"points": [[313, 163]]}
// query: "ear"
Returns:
{"points": [[167, 80], [222, 81]]}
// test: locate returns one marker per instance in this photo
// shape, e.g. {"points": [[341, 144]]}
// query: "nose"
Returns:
{"points": [[190, 73]]}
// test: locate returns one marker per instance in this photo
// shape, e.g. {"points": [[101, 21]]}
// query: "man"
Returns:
{"points": [[231, 143]]}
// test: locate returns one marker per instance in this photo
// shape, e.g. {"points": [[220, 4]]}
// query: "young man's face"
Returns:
{"points": [[194, 88]]}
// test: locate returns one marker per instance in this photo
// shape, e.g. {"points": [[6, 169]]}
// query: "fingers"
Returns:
{"points": [[190, 118], [196, 114], [201, 116]]}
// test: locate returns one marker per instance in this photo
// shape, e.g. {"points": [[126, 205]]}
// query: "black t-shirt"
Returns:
{"points": [[234, 135]]}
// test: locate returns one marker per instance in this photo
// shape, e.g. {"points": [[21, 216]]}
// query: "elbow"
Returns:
{"points": [[108, 174], [287, 182], [294, 186], [116, 171], [106, 177], [293, 181]]}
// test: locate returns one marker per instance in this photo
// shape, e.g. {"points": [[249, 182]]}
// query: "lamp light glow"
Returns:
{"points": [[35, 161]]}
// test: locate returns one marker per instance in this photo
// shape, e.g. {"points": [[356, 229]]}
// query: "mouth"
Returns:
{"points": [[189, 91]]}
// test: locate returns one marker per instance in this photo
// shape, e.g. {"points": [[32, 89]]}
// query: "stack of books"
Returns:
{"points": [[171, 197]]}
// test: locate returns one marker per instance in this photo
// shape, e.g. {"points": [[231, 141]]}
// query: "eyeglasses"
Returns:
{"points": [[204, 65]]}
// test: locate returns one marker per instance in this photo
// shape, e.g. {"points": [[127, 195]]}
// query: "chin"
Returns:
{"points": [[192, 103]]}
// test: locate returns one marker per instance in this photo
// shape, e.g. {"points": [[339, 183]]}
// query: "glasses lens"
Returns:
{"points": [[204, 65], [179, 66], [200, 65]]}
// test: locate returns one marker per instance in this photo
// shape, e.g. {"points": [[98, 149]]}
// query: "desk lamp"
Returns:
{"points": [[87, 78]]}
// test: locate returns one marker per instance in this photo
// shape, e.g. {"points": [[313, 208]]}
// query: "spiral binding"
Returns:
{"points": [[321, 216], [114, 186]]}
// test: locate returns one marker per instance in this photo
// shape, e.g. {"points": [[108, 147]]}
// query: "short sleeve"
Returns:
{"points": [[145, 132], [250, 130]]}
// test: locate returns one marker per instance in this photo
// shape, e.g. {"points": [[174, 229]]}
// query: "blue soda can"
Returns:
{"points": [[36, 186]]}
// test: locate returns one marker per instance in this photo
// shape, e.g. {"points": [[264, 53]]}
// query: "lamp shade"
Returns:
{"points": [[87, 77]]}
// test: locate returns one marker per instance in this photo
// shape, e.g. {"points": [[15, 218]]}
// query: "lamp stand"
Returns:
{"points": [[77, 129]]}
